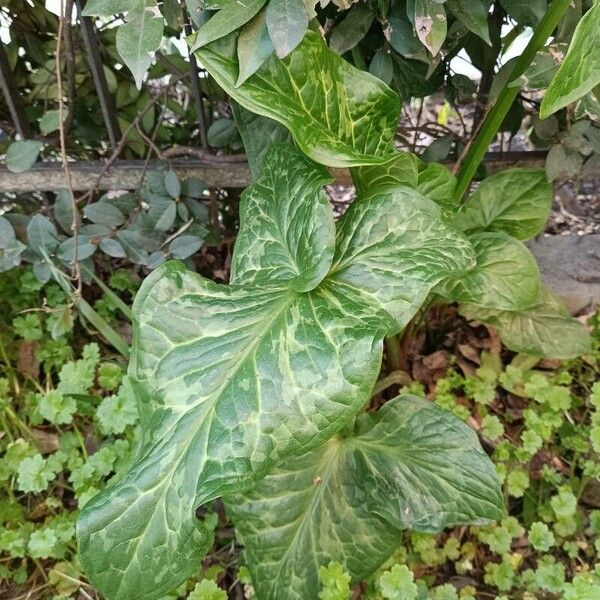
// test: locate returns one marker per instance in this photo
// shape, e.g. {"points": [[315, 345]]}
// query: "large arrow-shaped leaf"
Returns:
{"points": [[544, 328], [410, 465], [231, 379], [339, 116]]}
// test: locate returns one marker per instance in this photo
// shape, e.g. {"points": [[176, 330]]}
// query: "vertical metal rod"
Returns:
{"points": [[12, 96], [197, 93], [92, 49]]}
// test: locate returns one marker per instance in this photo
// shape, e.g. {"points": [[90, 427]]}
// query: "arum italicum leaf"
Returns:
{"points": [[411, 465], [516, 201], [506, 275], [545, 328], [339, 116], [230, 379]]}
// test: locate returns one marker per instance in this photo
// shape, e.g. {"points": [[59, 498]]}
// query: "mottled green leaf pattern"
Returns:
{"points": [[410, 465], [545, 328], [506, 275], [230, 379], [516, 201], [338, 115]]}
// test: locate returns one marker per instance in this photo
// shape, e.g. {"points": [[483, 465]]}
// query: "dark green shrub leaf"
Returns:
{"points": [[105, 8], [63, 211], [429, 20], [411, 465], [41, 235], [382, 66], [516, 201], [505, 277], [528, 13], [474, 14], [139, 38], [104, 213], [439, 149], [193, 188], [231, 16], [352, 29], [544, 329], [21, 155], [287, 22], [230, 379], [221, 133], [254, 46], [307, 92]]}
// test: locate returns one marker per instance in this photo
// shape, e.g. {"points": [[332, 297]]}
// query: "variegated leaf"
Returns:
{"points": [[339, 116], [410, 465], [230, 379]]}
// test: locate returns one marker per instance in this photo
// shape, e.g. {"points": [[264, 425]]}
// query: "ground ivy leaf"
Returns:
{"points": [[308, 93], [544, 329], [506, 275], [230, 379], [516, 201], [411, 465], [579, 73]]}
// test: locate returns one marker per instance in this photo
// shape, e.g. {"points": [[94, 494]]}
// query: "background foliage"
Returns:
{"points": [[67, 413]]}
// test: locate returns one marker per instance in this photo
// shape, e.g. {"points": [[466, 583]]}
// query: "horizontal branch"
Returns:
{"points": [[127, 174]]}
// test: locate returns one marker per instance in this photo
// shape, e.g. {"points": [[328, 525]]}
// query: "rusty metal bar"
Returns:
{"points": [[12, 96], [92, 50]]}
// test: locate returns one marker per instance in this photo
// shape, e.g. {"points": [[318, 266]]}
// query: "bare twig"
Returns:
{"points": [[63, 147], [70, 63]]}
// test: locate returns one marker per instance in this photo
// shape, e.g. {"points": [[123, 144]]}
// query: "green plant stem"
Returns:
{"points": [[392, 352], [507, 96]]}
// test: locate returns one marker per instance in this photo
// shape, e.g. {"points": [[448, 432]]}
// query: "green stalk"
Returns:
{"points": [[507, 96]]}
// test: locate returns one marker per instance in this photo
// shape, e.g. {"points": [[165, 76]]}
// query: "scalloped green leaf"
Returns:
{"points": [[339, 116], [516, 201], [544, 329], [506, 275], [230, 379], [411, 465], [579, 72]]}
